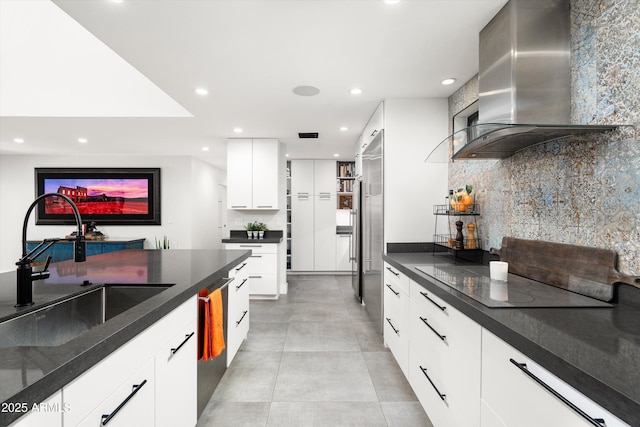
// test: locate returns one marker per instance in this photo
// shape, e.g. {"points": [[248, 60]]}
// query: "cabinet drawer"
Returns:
{"points": [[426, 377], [255, 248], [261, 264], [518, 400], [132, 404], [430, 302], [394, 277], [263, 285], [237, 330], [396, 328]]}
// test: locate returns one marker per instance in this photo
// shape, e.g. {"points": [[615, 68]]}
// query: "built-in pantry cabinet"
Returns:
{"points": [[253, 167], [464, 376]]}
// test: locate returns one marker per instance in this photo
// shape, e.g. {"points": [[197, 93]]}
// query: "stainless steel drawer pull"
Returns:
{"points": [[108, 417], [240, 321], [238, 206], [392, 290], [442, 337], [255, 256], [397, 331], [598, 422], [433, 302], [442, 396], [187, 338], [250, 246], [390, 270], [240, 285], [255, 277], [264, 206]]}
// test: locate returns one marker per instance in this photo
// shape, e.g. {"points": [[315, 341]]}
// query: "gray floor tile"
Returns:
{"points": [[266, 336], [390, 383], [319, 312], [323, 376], [321, 336], [368, 337], [250, 378], [322, 414], [234, 414], [405, 414], [269, 311]]}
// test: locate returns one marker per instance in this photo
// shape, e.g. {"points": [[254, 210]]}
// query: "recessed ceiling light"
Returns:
{"points": [[336, 155], [306, 90], [391, 1], [448, 81], [202, 91], [18, 140], [237, 130], [355, 91], [205, 148], [286, 155], [82, 140], [344, 128]]}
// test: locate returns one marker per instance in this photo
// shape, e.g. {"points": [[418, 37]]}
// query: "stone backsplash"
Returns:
{"points": [[585, 191]]}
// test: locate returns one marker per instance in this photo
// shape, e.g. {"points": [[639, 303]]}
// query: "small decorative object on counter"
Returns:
{"points": [[249, 227], [256, 230], [163, 244], [471, 236], [459, 236]]}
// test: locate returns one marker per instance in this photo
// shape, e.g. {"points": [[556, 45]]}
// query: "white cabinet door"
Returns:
{"points": [[324, 251], [132, 404], [302, 232], [324, 178], [302, 177], [396, 328], [176, 379], [266, 168], [239, 174], [511, 395], [343, 251]]}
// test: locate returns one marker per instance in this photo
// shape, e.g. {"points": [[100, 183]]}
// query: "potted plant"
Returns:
{"points": [[261, 227], [249, 227]]}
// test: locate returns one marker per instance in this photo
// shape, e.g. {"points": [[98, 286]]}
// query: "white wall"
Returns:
{"points": [[413, 127], [189, 200]]}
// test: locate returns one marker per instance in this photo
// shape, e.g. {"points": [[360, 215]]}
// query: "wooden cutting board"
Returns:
{"points": [[582, 269]]}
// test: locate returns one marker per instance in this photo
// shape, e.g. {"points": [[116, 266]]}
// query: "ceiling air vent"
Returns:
{"points": [[313, 135]]}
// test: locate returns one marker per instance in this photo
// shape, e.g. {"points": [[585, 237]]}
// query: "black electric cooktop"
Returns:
{"points": [[518, 292]]}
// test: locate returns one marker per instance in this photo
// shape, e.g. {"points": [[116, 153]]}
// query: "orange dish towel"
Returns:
{"points": [[217, 331], [210, 321]]}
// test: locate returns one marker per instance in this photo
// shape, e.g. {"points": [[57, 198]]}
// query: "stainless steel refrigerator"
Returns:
{"points": [[369, 231]]}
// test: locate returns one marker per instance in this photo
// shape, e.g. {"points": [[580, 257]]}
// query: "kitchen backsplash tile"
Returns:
{"points": [[587, 191]]}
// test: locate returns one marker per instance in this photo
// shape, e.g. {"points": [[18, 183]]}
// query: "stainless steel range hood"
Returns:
{"points": [[524, 82]]}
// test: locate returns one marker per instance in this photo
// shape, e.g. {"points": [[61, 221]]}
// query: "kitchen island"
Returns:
{"points": [[594, 350], [30, 374]]}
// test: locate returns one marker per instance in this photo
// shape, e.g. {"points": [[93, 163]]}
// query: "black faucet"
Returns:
{"points": [[25, 273]]}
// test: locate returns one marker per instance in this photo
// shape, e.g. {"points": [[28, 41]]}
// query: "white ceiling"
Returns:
{"points": [[127, 84]]}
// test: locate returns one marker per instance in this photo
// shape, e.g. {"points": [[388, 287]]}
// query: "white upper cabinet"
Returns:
{"points": [[374, 126], [302, 172], [252, 174], [324, 182]]}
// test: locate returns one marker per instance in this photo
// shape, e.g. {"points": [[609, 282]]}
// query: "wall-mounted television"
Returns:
{"points": [[106, 196]]}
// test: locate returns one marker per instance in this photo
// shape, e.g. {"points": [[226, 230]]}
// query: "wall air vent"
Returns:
{"points": [[313, 135]]}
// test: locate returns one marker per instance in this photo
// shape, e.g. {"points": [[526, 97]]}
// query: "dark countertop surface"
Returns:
{"points": [[240, 236], [30, 374], [595, 350]]}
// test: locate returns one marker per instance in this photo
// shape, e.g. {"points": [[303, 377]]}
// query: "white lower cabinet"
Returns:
{"points": [[395, 321], [141, 366], [130, 405], [343, 252], [444, 360], [237, 310], [261, 268], [511, 397]]}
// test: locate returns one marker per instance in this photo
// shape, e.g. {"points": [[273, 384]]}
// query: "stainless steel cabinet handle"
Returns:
{"points": [[108, 417], [397, 331], [598, 422], [433, 302], [442, 337], [264, 206], [238, 206], [442, 396], [250, 246], [392, 290], [187, 338]]}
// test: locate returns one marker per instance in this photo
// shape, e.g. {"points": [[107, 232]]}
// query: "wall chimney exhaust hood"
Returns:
{"points": [[524, 83]]}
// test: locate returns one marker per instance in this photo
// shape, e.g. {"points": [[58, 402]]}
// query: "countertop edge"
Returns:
{"points": [[609, 398], [62, 375]]}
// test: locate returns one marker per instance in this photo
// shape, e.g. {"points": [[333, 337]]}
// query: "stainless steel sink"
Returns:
{"points": [[60, 322]]}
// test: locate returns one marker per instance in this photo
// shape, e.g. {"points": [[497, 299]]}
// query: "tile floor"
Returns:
{"points": [[313, 358]]}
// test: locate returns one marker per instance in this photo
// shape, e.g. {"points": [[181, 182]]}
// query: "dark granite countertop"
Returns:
{"points": [[30, 374], [240, 236], [595, 350]]}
